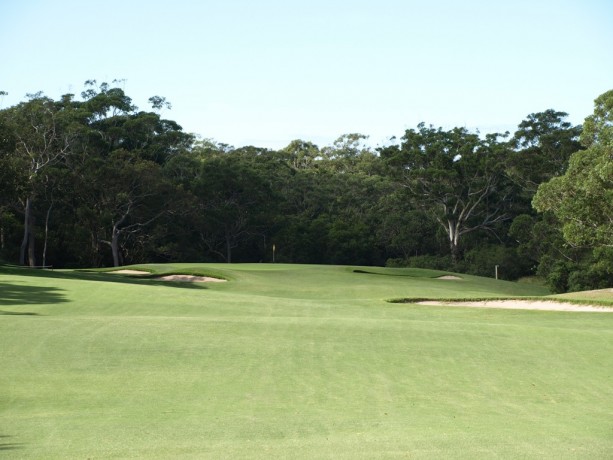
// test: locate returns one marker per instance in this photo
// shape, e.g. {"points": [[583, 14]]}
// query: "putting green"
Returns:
{"points": [[295, 361]]}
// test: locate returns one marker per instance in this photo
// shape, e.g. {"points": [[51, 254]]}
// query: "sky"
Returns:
{"points": [[266, 72]]}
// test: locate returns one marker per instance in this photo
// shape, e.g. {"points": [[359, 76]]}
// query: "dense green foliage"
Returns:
{"points": [[94, 181], [582, 198], [295, 361]]}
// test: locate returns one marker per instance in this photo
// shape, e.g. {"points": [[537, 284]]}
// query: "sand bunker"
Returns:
{"points": [[448, 277], [521, 305], [191, 278], [188, 278], [130, 272]]}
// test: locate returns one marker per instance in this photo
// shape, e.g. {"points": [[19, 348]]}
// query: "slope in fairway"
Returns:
{"points": [[295, 361]]}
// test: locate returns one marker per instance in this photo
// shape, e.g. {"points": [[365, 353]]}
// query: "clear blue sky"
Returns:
{"points": [[249, 72]]}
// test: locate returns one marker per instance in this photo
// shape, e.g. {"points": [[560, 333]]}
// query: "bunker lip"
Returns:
{"points": [[182, 278], [129, 272], [191, 279], [546, 305]]}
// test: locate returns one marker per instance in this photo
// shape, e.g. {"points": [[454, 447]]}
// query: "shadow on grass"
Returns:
{"points": [[4, 445], [18, 313], [406, 272], [16, 294]]}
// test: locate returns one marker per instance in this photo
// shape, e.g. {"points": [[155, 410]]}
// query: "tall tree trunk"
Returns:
{"points": [[454, 241], [26, 232], [228, 248], [115, 246], [46, 234], [455, 253], [2, 236], [94, 251], [27, 243], [31, 252]]}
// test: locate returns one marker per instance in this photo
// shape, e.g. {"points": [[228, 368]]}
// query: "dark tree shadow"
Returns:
{"points": [[4, 445], [16, 294], [18, 313]]}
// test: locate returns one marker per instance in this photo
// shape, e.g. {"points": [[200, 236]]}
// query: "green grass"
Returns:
{"points": [[603, 297], [295, 361]]}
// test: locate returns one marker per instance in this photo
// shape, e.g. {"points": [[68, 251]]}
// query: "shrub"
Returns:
{"points": [[431, 261], [482, 261]]}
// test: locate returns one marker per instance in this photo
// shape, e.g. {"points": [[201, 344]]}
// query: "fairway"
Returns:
{"points": [[296, 361]]}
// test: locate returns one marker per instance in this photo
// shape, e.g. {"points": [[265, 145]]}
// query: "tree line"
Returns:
{"points": [[95, 181]]}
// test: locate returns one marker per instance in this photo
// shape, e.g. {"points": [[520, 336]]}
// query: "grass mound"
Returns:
{"points": [[411, 272]]}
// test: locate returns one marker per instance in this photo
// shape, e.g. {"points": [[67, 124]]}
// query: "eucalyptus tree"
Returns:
{"points": [[121, 168], [454, 176], [44, 131], [540, 150], [581, 198], [235, 198], [129, 198], [301, 154], [542, 146], [349, 152], [329, 202], [9, 178], [357, 188]]}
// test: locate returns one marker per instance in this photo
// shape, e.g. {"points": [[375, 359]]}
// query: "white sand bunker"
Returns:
{"points": [[191, 278], [130, 272], [448, 277], [521, 305]]}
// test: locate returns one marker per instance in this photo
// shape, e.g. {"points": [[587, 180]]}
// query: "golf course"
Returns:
{"points": [[301, 362]]}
